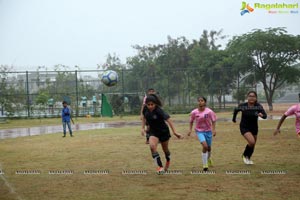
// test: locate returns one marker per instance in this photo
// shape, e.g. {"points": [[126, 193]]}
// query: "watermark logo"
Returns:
{"points": [[93, 172], [134, 172], [27, 172], [246, 8], [271, 8], [273, 172]]}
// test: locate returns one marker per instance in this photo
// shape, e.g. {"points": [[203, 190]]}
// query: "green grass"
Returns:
{"points": [[118, 149], [23, 123]]}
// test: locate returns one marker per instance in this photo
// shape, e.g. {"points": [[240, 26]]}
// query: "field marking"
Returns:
{"points": [[11, 188]]}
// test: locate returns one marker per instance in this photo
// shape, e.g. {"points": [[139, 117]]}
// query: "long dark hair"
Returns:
{"points": [[153, 98]]}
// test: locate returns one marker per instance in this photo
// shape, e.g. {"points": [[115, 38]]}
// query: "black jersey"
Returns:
{"points": [[156, 120], [249, 117]]}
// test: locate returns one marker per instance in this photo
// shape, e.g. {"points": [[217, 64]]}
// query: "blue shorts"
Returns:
{"points": [[205, 136]]}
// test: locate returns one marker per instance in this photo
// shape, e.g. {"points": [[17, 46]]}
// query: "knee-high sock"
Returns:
{"points": [[156, 159], [204, 158], [251, 150], [248, 151]]}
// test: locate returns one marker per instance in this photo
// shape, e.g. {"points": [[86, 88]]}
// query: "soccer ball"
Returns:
{"points": [[110, 78]]}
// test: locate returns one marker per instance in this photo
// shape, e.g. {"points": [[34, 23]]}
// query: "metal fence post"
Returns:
{"points": [[77, 100], [27, 94]]}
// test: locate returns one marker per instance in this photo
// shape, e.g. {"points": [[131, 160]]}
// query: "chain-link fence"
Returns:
{"points": [[40, 93]]}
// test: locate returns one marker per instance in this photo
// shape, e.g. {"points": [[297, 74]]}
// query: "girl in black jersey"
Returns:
{"points": [[251, 110], [158, 130]]}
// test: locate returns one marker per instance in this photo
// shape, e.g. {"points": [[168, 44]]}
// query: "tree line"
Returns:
{"points": [[270, 57], [182, 69]]}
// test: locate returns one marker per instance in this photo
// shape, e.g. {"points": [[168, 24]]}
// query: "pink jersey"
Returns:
{"points": [[295, 110], [203, 119]]}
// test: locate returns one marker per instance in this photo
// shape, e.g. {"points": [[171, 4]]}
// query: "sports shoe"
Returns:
{"points": [[205, 168], [250, 162], [246, 160], [160, 170], [210, 162], [167, 165]]}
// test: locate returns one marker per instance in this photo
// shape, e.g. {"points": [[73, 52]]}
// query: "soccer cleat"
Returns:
{"points": [[167, 165], [210, 162], [246, 160], [250, 162], [64, 136], [160, 170], [205, 168]]}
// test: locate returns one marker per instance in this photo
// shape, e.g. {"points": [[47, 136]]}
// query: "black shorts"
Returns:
{"points": [[244, 130], [163, 136]]}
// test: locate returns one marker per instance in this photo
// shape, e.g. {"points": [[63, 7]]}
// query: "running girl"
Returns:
{"points": [[293, 110], [251, 110], [149, 91], [158, 130], [205, 128]]}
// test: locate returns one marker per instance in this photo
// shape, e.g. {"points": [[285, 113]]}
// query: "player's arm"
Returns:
{"points": [[235, 112], [141, 112], [170, 123], [71, 111], [279, 125], [143, 125], [214, 132], [262, 113], [142, 108], [191, 124], [191, 128]]}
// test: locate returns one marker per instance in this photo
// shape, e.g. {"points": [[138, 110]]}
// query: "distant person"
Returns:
{"points": [[149, 91], [251, 110], [205, 129], [293, 110], [158, 121], [66, 118]]}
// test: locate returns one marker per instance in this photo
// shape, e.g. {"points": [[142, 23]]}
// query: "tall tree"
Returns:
{"points": [[144, 65], [214, 66], [65, 84], [10, 91], [172, 65], [274, 54]]}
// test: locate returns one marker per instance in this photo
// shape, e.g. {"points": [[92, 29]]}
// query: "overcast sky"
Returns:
{"points": [[82, 32]]}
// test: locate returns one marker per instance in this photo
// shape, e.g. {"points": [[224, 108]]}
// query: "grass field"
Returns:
{"points": [[113, 152]]}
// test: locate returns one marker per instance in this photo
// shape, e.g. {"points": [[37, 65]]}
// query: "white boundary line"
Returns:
{"points": [[11, 189]]}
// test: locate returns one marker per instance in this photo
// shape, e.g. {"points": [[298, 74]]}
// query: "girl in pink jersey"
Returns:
{"points": [[205, 128], [293, 110]]}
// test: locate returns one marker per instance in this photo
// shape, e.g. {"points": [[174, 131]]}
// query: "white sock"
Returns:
{"points": [[204, 158]]}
